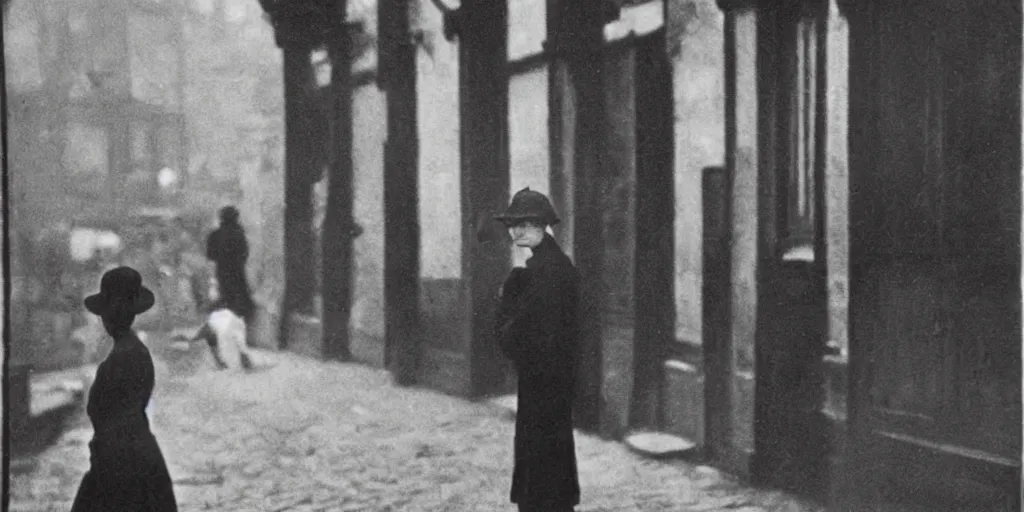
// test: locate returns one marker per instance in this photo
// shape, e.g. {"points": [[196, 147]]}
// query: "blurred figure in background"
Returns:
{"points": [[228, 249]]}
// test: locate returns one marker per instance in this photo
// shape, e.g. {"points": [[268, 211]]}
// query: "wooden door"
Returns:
{"points": [[935, 297], [655, 248], [898, 259]]}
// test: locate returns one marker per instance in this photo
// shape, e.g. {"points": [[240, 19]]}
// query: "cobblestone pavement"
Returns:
{"points": [[301, 435]]}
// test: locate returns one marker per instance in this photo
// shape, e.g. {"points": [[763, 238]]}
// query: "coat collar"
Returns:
{"points": [[544, 252]]}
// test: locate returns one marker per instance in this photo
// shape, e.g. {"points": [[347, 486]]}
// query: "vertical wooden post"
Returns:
{"points": [[10, 368], [716, 294], [736, 444], [577, 42], [483, 114], [654, 250], [397, 78], [1018, 498], [560, 133], [338, 231], [302, 153]]}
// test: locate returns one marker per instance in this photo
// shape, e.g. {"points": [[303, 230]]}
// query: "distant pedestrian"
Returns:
{"points": [[228, 248], [127, 470], [537, 328]]}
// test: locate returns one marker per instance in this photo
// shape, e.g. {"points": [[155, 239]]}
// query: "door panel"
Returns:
{"points": [[904, 190], [905, 355], [935, 260], [983, 383]]}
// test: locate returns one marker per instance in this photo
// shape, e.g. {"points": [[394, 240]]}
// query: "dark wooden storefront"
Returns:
{"points": [[935, 304], [931, 373]]}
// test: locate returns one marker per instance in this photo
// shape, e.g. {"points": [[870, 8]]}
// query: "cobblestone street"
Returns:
{"points": [[303, 435]]}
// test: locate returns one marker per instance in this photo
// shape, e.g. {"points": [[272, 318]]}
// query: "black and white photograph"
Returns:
{"points": [[512, 255]]}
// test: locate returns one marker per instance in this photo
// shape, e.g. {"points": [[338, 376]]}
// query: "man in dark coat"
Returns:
{"points": [[229, 250], [537, 328]]}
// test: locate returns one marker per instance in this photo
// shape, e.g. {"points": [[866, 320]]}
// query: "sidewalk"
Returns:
{"points": [[311, 436]]}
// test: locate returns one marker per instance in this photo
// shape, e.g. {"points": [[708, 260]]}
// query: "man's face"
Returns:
{"points": [[527, 233]]}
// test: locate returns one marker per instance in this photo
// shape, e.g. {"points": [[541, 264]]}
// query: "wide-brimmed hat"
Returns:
{"points": [[121, 289], [529, 205]]}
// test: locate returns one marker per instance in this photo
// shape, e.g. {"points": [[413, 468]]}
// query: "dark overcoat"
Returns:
{"points": [[127, 469], [538, 328], [228, 248]]}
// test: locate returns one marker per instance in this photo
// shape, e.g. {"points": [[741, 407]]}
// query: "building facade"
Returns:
{"points": [[94, 114], [859, 302]]}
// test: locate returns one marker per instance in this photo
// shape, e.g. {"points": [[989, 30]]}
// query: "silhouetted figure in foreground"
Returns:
{"points": [[127, 469], [537, 327], [228, 248]]}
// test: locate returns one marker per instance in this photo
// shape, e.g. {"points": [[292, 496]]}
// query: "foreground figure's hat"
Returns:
{"points": [[529, 205], [120, 289], [229, 214]]}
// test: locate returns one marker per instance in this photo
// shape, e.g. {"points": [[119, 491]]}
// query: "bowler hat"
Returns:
{"points": [[121, 289]]}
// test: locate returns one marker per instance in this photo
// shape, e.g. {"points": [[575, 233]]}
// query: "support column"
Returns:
{"points": [[653, 252], [561, 121], [397, 78], [483, 114], [339, 230], [577, 30], [735, 441], [297, 38]]}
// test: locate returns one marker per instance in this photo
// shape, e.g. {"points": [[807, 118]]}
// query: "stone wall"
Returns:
{"points": [[696, 43], [438, 112], [370, 134]]}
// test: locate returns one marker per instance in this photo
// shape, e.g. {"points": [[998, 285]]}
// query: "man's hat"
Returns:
{"points": [[529, 205], [229, 214], [120, 290]]}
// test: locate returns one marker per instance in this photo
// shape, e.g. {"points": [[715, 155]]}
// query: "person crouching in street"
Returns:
{"points": [[127, 468], [537, 328], [225, 333]]}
